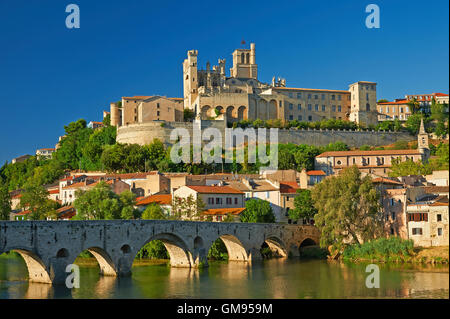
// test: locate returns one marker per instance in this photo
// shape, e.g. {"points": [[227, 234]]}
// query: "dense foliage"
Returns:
{"points": [[348, 209], [102, 203], [304, 206], [218, 250], [257, 211], [387, 249]]}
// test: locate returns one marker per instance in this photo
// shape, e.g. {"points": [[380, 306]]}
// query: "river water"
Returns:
{"points": [[276, 278]]}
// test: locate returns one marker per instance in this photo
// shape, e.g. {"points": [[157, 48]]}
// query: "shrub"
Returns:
{"points": [[380, 249]]}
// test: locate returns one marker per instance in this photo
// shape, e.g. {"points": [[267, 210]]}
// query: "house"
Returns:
{"points": [[95, 125], [213, 196], [261, 189], [310, 178], [438, 178], [220, 214], [163, 200], [288, 192], [69, 191], [20, 159]]}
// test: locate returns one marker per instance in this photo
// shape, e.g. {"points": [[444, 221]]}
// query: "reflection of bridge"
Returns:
{"points": [[49, 246]]}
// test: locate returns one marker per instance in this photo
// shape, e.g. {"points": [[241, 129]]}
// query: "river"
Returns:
{"points": [[277, 278]]}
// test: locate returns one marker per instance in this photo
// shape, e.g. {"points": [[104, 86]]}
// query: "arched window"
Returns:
{"points": [[242, 57], [248, 58]]}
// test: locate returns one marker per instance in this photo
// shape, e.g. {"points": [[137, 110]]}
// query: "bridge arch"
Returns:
{"points": [[307, 242], [276, 245], [176, 247], [37, 270], [235, 248]]}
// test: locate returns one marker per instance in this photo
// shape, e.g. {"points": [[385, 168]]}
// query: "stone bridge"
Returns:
{"points": [[49, 246]]}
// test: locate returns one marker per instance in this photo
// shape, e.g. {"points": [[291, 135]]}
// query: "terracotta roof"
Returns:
{"points": [[224, 211], [83, 184], [395, 102], [215, 190], [440, 94], [25, 212], [368, 153], [316, 173], [436, 189], [386, 181], [46, 149], [95, 122], [289, 187], [16, 196], [176, 98], [53, 191], [314, 90], [162, 199]]}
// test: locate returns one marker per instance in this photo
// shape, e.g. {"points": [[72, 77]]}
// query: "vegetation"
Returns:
{"points": [[153, 211], [257, 211], [102, 203], [381, 249], [348, 209], [218, 250], [304, 206], [5, 202], [313, 252], [187, 208], [35, 199]]}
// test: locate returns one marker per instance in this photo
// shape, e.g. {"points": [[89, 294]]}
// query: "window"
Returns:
{"points": [[310, 118], [309, 107], [299, 117], [367, 107], [316, 97], [417, 217], [339, 162], [235, 200], [281, 103], [401, 110], [333, 97], [323, 96], [316, 107], [218, 201], [229, 201], [339, 97], [439, 217], [309, 96], [299, 107], [333, 108], [157, 105], [439, 231], [291, 117], [157, 113], [219, 218], [339, 108], [387, 109], [407, 109], [299, 95], [290, 94], [210, 201], [393, 215], [417, 231], [291, 106]]}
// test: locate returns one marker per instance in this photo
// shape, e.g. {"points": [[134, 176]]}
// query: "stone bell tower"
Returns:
{"points": [[422, 142], [244, 63]]}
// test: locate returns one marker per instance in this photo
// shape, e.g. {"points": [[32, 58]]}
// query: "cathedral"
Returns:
{"points": [[211, 94]]}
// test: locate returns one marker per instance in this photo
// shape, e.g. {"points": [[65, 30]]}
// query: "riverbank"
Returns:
{"points": [[394, 250]]}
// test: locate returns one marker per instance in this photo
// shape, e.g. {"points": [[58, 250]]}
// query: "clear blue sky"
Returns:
{"points": [[51, 75]]}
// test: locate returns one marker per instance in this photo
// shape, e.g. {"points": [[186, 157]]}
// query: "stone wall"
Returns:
{"points": [[146, 132]]}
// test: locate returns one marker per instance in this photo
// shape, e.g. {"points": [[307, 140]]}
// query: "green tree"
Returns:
{"points": [[5, 202], [413, 105], [304, 206], [257, 211], [188, 115], [153, 211], [408, 167], [35, 198], [348, 209], [382, 101], [102, 203], [187, 208]]}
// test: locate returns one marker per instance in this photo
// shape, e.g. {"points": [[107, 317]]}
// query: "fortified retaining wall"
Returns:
{"points": [[144, 133]]}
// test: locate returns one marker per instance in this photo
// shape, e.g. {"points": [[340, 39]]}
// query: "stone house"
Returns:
{"points": [[213, 196]]}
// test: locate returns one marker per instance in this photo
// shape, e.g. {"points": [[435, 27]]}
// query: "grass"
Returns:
{"points": [[395, 250]]}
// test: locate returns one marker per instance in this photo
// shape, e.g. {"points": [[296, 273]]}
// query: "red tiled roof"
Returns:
{"points": [[289, 187], [46, 149], [25, 212], [386, 181], [215, 190], [395, 102], [16, 196], [53, 191], [440, 94], [224, 211], [316, 173], [368, 153], [161, 199]]}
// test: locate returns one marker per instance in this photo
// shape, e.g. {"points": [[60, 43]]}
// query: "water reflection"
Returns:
{"points": [[278, 278]]}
